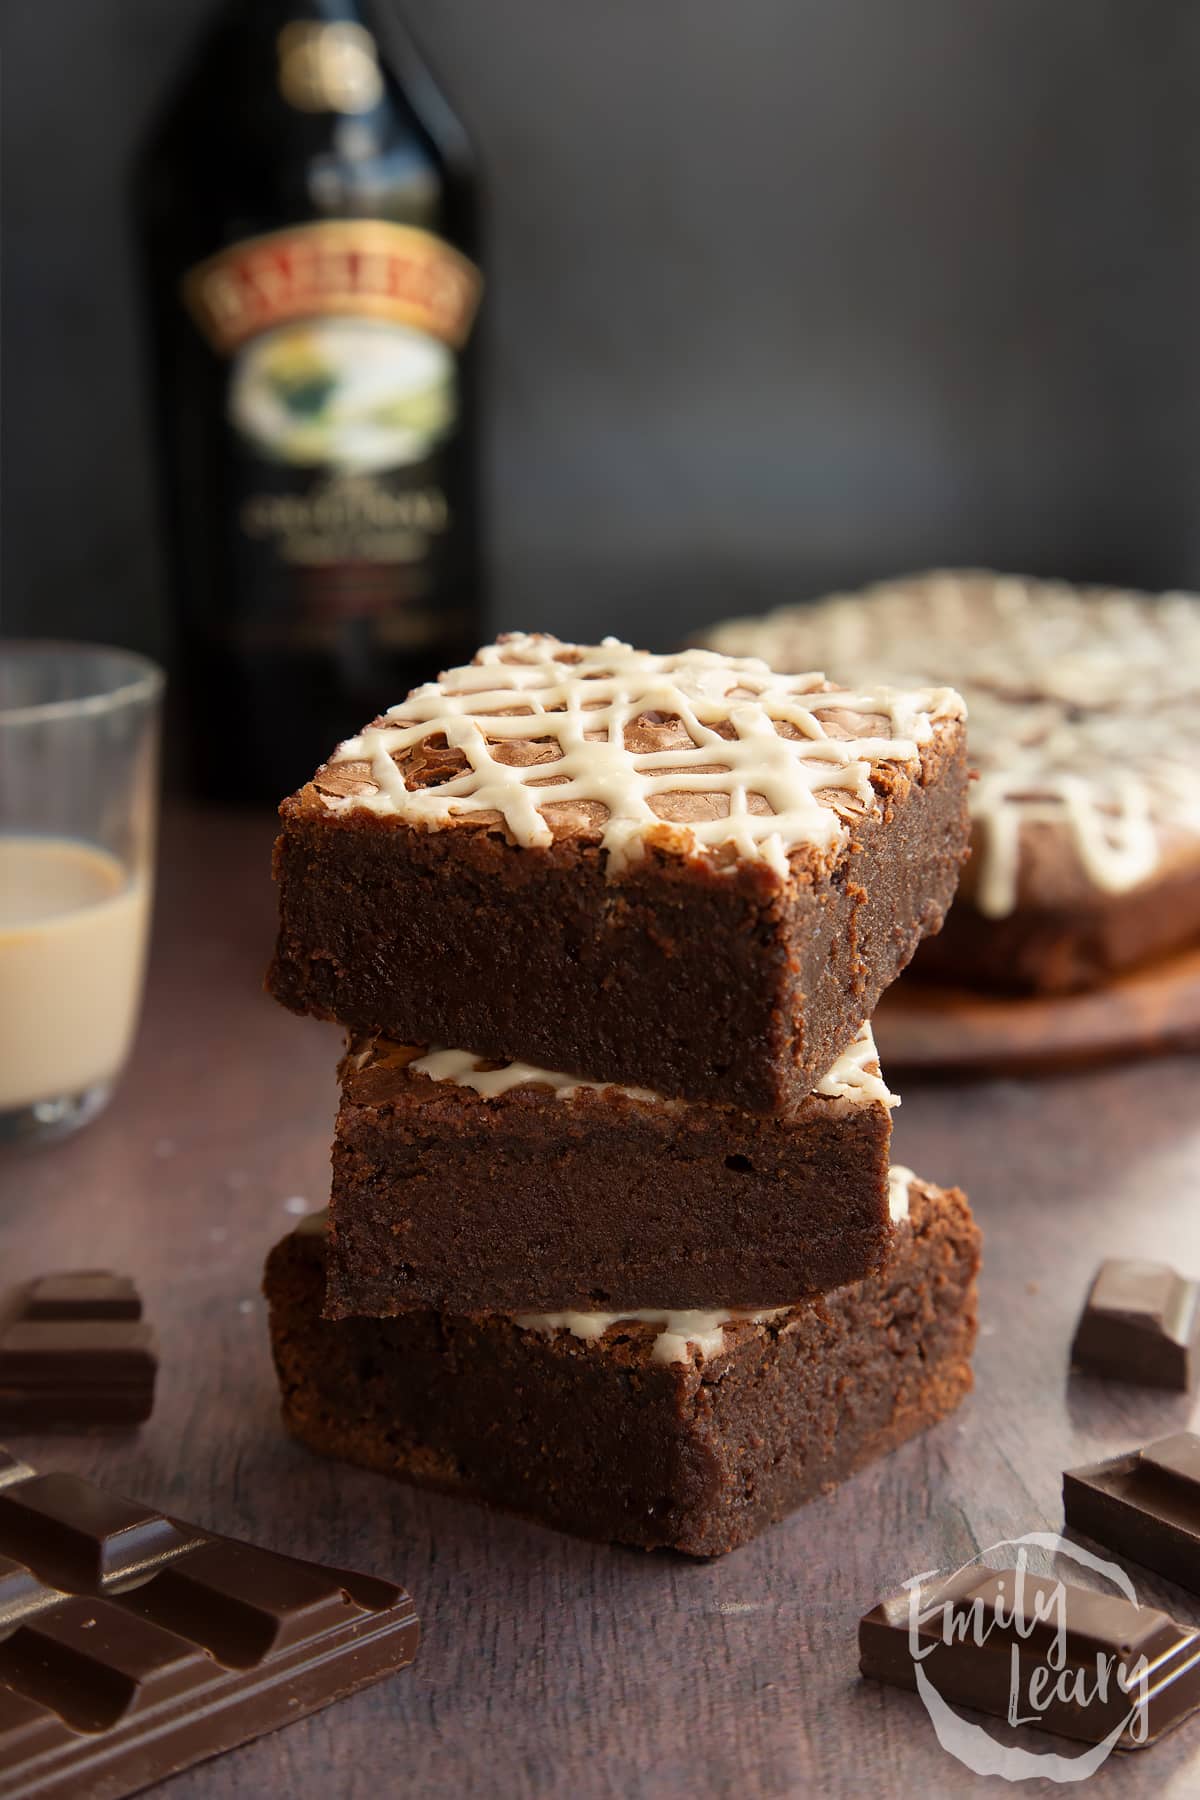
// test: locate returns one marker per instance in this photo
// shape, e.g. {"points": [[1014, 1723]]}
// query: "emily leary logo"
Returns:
{"points": [[1052, 1664]]}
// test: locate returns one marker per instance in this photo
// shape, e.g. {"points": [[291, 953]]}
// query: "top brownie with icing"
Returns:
{"points": [[1084, 714], [682, 873], [694, 754]]}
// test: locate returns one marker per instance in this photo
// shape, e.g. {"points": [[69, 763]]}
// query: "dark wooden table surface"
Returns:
{"points": [[552, 1667]]}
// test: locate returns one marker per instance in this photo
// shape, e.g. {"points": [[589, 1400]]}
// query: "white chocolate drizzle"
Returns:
{"points": [[692, 753], [466, 1069], [854, 1077], [1084, 703], [900, 1180], [679, 1335]]}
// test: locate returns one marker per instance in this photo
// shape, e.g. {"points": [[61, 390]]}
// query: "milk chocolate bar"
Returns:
{"points": [[1145, 1505], [991, 1639], [75, 1352], [133, 1645], [1141, 1323]]}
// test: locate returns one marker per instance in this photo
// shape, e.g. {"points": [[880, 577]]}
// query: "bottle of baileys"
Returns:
{"points": [[308, 213]]}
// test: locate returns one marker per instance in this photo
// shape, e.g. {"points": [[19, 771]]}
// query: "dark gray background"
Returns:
{"points": [[785, 293]]}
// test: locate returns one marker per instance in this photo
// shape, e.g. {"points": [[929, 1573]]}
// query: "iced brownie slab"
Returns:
{"points": [[1085, 716], [475, 1187], [683, 872], [691, 1431]]}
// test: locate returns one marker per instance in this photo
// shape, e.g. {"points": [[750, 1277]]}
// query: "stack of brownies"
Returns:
{"points": [[613, 1239]]}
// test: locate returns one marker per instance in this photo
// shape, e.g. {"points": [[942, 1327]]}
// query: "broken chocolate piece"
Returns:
{"points": [[75, 1352], [83, 1294], [1144, 1505], [1035, 1650], [132, 1646], [1141, 1323]]}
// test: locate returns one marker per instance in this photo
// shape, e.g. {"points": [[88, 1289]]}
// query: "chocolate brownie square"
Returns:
{"points": [[475, 1187], [690, 1431], [684, 872]]}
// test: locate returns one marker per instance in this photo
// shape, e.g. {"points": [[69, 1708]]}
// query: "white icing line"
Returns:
{"points": [[900, 1180], [854, 1077], [679, 1334], [466, 1069], [1085, 705], [856, 1074], [580, 703]]}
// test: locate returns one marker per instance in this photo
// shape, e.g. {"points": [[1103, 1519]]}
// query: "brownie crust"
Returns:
{"points": [[531, 1201], [726, 985], [599, 1438], [1068, 947]]}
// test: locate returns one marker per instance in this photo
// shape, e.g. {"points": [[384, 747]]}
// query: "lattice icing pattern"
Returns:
{"points": [[694, 753], [854, 1077], [690, 1331], [1084, 706]]}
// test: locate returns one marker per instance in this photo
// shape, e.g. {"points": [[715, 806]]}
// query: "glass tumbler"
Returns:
{"points": [[79, 730]]}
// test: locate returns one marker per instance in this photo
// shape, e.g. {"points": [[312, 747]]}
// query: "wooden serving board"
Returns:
{"points": [[950, 1030]]}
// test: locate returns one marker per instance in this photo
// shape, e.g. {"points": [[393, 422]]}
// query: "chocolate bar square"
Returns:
{"points": [[1140, 1324], [1144, 1505], [75, 1352]]}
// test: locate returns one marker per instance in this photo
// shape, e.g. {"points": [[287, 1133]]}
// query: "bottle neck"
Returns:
{"points": [[328, 61]]}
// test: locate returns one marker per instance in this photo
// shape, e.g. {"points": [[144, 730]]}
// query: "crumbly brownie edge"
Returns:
{"points": [[901, 873], [892, 1354], [1039, 950], [666, 1467]]}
